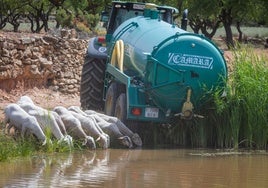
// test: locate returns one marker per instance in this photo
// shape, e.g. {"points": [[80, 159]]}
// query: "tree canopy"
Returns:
{"points": [[205, 16]]}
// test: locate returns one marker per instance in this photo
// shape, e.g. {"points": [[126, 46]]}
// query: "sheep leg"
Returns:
{"points": [[9, 127], [23, 130], [60, 123]]}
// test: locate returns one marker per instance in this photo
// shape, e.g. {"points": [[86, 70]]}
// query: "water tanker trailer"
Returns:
{"points": [[148, 69]]}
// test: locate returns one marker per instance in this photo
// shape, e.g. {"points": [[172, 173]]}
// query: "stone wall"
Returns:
{"points": [[34, 60]]}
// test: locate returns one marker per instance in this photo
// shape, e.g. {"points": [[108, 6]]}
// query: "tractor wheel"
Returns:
{"points": [[91, 89], [111, 97], [121, 107]]}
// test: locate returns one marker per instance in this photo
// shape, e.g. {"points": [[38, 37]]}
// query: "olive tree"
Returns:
{"points": [[10, 12], [4, 13], [226, 12], [38, 12]]}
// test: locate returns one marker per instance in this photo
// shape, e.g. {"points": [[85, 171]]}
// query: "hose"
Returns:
{"points": [[118, 55]]}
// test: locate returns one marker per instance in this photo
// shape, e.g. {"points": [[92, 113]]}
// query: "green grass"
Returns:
{"points": [[13, 147]]}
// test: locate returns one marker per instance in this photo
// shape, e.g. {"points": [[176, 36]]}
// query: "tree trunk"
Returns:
{"points": [[3, 22], [226, 19], [239, 31], [229, 35], [195, 25], [207, 24], [13, 20]]}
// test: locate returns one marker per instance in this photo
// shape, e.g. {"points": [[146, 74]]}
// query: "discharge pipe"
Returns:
{"points": [[118, 55]]}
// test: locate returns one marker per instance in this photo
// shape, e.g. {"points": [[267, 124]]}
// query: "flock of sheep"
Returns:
{"points": [[92, 128]]}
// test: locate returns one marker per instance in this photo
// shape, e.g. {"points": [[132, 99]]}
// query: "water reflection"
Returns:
{"points": [[138, 168]]}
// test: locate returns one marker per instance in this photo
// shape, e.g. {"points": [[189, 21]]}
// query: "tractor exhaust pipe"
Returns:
{"points": [[184, 20]]}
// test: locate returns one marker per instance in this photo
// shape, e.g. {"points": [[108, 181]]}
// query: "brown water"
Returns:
{"points": [[139, 168]]}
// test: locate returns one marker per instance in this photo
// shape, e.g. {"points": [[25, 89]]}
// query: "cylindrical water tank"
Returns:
{"points": [[169, 61]]}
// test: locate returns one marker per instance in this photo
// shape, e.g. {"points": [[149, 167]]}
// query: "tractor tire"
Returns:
{"points": [[91, 90]]}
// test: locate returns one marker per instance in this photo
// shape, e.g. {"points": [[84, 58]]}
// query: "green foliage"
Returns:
{"points": [[64, 18], [69, 12], [75, 15]]}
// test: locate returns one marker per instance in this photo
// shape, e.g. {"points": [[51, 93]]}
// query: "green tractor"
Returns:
{"points": [[146, 69]]}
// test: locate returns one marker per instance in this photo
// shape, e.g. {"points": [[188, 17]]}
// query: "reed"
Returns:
{"points": [[243, 115]]}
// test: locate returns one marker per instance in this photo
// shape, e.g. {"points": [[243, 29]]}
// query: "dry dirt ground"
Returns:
{"points": [[43, 97]]}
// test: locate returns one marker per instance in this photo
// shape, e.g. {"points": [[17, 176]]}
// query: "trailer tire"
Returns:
{"points": [[121, 113], [91, 90], [121, 107], [111, 97]]}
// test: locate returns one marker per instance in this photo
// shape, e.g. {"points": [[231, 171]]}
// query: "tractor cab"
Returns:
{"points": [[122, 11]]}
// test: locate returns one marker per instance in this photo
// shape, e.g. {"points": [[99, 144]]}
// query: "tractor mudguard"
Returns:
{"points": [[96, 50]]}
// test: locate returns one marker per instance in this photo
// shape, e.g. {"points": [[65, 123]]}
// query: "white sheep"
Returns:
{"points": [[110, 128], [45, 118], [120, 125], [79, 111], [17, 117], [91, 128], [74, 127]]}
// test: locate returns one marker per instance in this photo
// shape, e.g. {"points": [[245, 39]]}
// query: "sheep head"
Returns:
{"points": [[89, 142], [136, 139], [125, 141]]}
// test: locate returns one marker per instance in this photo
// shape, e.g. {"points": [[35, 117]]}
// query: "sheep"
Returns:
{"points": [[74, 127], [109, 128], [17, 117], [45, 118], [90, 128], [79, 111], [112, 129], [120, 125], [60, 123]]}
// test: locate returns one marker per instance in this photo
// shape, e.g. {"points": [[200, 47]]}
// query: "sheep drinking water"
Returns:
{"points": [[17, 117], [91, 128], [109, 125], [45, 118], [74, 127], [121, 126]]}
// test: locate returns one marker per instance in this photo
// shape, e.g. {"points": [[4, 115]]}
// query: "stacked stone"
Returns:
{"points": [[41, 60]]}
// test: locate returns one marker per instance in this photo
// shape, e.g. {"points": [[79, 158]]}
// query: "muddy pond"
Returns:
{"points": [[155, 168]]}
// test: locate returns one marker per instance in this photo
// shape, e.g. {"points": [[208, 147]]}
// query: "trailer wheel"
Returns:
{"points": [[121, 113], [91, 89], [121, 107], [111, 97]]}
